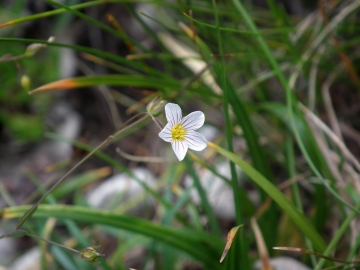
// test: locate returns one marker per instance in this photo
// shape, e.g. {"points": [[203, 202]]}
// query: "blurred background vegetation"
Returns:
{"points": [[278, 82]]}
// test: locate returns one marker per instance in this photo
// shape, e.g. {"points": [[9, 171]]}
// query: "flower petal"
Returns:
{"points": [[193, 120], [165, 134], [180, 149], [195, 140], [173, 113]]}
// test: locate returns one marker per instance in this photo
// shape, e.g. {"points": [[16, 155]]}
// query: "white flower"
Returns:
{"points": [[181, 131]]}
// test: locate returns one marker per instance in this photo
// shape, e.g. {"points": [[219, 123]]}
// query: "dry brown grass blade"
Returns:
{"points": [[114, 23], [310, 252], [54, 86], [230, 238], [264, 255], [344, 58], [332, 136]]}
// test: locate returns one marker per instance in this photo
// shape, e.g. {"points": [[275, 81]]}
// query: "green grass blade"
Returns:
{"points": [[114, 80], [99, 24], [243, 119], [77, 182], [53, 12], [336, 238], [196, 244], [290, 160], [121, 168], [290, 99], [234, 179], [303, 224], [204, 200], [113, 57]]}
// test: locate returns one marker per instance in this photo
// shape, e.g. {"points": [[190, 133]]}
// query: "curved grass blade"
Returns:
{"points": [[54, 12], [115, 80], [239, 212], [269, 31], [243, 119], [119, 167], [290, 98], [197, 244], [99, 24], [229, 241], [338, 235], [204, 200], [310, 252], [303, 224], [99, 53]]}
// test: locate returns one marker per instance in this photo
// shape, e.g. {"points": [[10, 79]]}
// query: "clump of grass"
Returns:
{"points": [[264, 80]]}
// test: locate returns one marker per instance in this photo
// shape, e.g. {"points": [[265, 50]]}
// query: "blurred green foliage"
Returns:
{"points": [[21, 115]]}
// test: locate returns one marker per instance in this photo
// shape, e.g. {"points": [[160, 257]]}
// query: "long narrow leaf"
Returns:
{"points": [[196, 244], [303, 224]]}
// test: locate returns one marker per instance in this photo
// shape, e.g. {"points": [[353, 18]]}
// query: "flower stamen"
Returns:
{"points": [[178, 133]]}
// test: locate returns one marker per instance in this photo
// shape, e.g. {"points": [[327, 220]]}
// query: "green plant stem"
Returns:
{"points": [[197, 244], [289, 98], [53, 243], [234, 180], [21, 233], [340, 232], [243, 32], [299, 220], [120, 167], [99, 53], [295, 188], [353, 252], [205, 202], [98, 24], [56, 12], [121, 129]]}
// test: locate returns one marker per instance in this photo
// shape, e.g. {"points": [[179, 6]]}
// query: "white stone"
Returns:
{"points": [[28, 261], [119, 185], [8, 249], [219, 193], [283, 263]]}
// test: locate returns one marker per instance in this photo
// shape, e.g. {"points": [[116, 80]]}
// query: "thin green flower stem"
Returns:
{"points": [[71, 225], [289, 99], [234, 180], [53, 243], [9, 200], [119, 167], [295, 188], [204, 200], [121, 129], [21, 233], [157, 122], [340, 232]]}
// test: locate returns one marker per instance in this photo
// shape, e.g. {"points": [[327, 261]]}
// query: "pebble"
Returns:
{"points": [[283, 263]]}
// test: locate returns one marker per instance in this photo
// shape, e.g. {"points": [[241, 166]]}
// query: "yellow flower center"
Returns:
{"points": [[178, 133]]}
